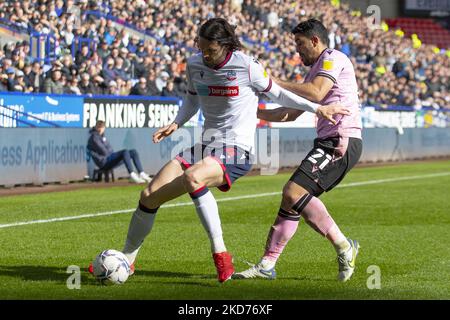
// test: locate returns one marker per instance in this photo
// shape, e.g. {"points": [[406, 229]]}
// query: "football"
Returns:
{"points": [[111, 267]]}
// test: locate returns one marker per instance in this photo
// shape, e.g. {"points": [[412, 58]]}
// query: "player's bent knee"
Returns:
{"points": [[191, 178], [289, 198], [291, 195]]}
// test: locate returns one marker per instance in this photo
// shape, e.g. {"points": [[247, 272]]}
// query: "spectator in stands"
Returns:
{"points": [[119, 69], [59, 7], [133, 44], [37, 77], [151, 84], [113, 89], [105, 158], [53, 84], [140, 51], [3, 76], [11, 81], [103, 50], [17, 60], [123, 53], [124, 86], [83, 55], [86, 86], [108, 72], [72, 87], [110, 35], [161, 81], [142, 66], [170, 91], [3, 82], [140, 88], [68, 67], [20, 84]]}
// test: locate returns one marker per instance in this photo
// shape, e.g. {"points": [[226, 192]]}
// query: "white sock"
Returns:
{"points": [[267, 264], [338, 240], [208, 212], [140, 226]]}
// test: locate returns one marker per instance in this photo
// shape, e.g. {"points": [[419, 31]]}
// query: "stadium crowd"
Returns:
{"points": [[148, 57]]}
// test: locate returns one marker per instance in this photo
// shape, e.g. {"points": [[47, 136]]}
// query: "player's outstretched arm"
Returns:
{"points": [[282, 114], [289, 99]]}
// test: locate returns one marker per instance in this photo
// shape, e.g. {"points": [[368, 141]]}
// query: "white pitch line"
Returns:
{"points": [[251, 196]]}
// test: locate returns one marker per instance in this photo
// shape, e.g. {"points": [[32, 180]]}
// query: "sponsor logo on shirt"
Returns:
{"points": [[327, 64], [218, 91], [223, 91]]}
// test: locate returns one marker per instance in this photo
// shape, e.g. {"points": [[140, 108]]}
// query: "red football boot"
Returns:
{"points": [[224, 265]]}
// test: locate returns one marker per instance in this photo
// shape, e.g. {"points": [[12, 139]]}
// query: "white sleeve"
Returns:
{"points": [[289, 99], [188, 109], [190, 104], [263, 84]]}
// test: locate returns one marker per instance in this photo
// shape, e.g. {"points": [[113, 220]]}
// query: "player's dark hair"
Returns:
{"points": [[100, 123], [310, 28], [218, 29]]}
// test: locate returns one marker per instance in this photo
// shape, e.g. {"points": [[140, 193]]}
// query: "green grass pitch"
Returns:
{"points": [[402, 225]]}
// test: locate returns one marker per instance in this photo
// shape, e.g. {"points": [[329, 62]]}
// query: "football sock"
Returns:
{"points": [[338, 239], [280, 233], [316, 215], [208, 212], [140, 226]]}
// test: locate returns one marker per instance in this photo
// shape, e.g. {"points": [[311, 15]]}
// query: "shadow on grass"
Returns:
{"points": [[39, 273], [185, 278], [60, 275], [46, 273]]}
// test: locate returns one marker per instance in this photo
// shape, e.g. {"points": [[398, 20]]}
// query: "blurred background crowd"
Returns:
{"points": [[138, 47]]}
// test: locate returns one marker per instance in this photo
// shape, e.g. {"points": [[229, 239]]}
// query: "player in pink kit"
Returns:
{"points": [[336, 150], [223, 82]]}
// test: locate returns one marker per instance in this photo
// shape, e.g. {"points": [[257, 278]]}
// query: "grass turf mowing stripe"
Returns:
{"points": [[345, 185]]}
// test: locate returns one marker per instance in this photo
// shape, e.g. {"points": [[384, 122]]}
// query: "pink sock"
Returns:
{"points": [[281, 232], [316, 215]]}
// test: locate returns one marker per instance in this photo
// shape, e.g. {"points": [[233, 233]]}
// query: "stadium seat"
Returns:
{"points": [[427, 30], [99, 173]]}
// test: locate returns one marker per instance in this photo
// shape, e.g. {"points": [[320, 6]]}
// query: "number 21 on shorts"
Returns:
{"points": [[319, 158]]}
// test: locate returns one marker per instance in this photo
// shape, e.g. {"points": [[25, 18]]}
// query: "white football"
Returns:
{"points": [[111, 266]]}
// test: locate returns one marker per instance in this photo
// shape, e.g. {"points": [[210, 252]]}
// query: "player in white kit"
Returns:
{"points": [[223, 82], [336, 150]]}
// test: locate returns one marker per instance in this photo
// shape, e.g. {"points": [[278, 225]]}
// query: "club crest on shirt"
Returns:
{"points": [[231, 75]]}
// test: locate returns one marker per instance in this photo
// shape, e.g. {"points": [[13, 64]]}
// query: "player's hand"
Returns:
{"points": [[164, 132], [329, 110]]}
